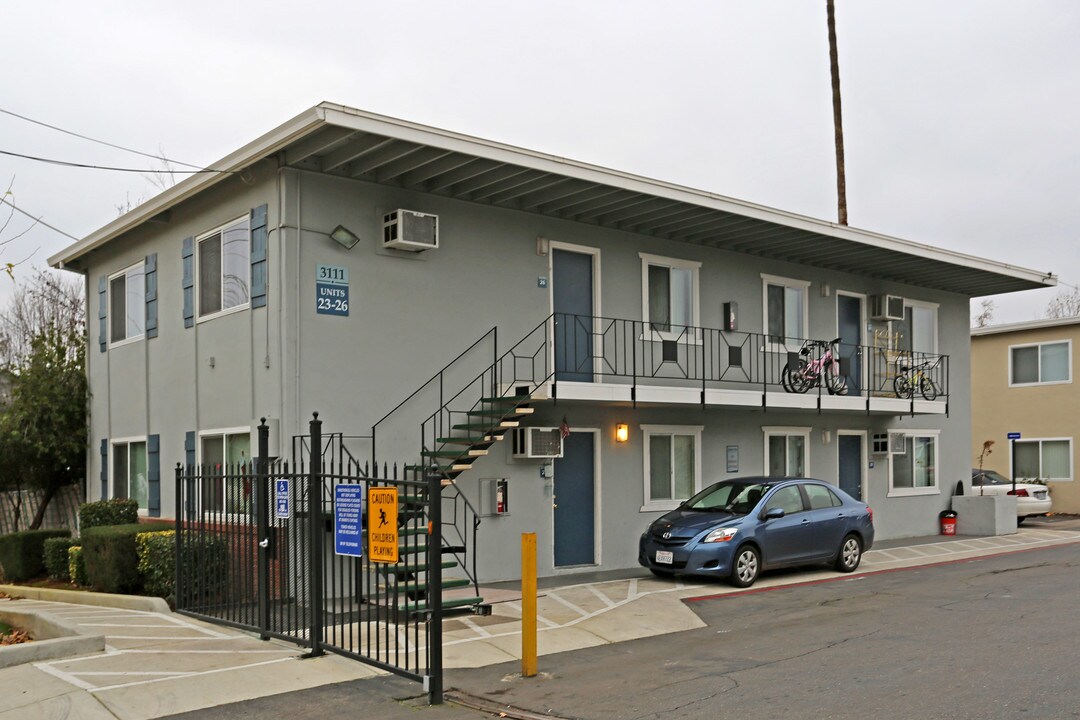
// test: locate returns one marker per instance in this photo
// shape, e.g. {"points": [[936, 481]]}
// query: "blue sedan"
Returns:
{"points": [[737, 528]]}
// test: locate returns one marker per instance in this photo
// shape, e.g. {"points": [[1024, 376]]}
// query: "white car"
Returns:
{"points": [[1031, 498]]}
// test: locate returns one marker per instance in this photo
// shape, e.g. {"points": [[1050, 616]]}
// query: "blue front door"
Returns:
{"points": [[849, 326], [572, 300], [574, 501], [850, 464]]}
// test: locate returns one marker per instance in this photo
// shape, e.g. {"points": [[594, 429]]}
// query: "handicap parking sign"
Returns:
{"points": [[282, 504]]}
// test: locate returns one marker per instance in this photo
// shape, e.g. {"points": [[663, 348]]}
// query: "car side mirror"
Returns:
{"points": [[774, 513]]}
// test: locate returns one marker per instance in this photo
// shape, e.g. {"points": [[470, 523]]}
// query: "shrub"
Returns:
{"points": [[56, 557], [22, 553], [204, 563], [76, 566], [112, 561], [108, 512], [157, 562]]}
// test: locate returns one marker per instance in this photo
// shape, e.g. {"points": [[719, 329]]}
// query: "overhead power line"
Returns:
{"points": [[95, 140], [18, 209], [67, 163]]}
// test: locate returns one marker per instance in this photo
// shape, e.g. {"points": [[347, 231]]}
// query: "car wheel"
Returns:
{"points": [[850, 554], [746, 567], [662, 573]]}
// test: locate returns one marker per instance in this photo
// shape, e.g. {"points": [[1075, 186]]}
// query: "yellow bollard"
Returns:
{"points": [[528, 604]]}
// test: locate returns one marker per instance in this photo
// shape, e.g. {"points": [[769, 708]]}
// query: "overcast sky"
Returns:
{"points": [[960, 118]]}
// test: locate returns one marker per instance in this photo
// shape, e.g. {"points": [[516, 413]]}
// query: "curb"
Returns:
{"points": [[80, 597], [54, 639]]}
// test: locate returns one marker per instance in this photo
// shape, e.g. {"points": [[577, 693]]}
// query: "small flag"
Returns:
{"points": [[564, 428]]}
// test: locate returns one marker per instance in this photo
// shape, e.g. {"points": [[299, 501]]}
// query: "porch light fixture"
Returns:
{"points": [[622, 432], [344, 237]]}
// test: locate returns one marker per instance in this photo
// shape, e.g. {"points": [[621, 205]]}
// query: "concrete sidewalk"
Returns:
{"points": [[158, 663]]}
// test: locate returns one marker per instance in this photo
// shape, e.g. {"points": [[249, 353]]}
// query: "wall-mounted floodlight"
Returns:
{"points": [[344, 237]]}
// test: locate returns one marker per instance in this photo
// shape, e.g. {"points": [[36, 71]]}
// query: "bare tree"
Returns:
{"points": [[49, 300], [1065, 304], [986, 313], [7, 200]]}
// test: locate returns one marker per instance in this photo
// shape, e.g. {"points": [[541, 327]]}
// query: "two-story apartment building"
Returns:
{"points": [[1022, 382], [342, 260]]}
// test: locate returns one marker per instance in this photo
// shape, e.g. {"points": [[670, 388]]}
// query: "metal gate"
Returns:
{"points": [[255, 549]]}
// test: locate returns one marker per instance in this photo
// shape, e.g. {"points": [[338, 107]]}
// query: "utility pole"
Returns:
{"points": [[834, 68]]}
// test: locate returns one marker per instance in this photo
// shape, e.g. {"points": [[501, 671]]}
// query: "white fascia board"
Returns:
{"points": [[1025, 325], [499, 152], [266, 145]]}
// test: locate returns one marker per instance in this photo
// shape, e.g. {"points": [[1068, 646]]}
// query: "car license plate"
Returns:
{"points": [[1040, 494], [664, 557]]}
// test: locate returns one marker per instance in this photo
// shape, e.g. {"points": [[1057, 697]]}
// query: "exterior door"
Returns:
{"points": [[574, 501], [850, 450], [572, 302], [849, 329]]}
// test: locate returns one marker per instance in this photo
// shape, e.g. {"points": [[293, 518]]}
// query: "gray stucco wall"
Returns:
{"points": [[410, 314]]}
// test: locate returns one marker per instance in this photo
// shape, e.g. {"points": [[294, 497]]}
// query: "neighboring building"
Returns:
{"points": [[1022, 381], [274, 290]]}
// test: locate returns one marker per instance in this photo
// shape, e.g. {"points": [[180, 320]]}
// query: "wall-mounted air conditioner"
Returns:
{"points": [[410, 230], [888, 443], [537, 442], [897, 443], [886, 307]]}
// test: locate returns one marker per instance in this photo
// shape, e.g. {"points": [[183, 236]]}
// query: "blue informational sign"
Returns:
{"points": [[332, 290], [282, 500], [1013, 436], [348, 520]]}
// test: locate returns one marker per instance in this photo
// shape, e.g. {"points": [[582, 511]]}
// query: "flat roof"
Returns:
{"points": [[348, 142]]}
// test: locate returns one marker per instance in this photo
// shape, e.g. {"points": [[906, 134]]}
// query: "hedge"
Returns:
{"points": [[108, 512], [157, 562], [56, 557], [76, 566], [22, 553], [112, 561], [205, 570]]}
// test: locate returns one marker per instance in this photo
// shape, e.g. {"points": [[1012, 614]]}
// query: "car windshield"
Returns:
{"points": [[729, 496], [989, 477]]}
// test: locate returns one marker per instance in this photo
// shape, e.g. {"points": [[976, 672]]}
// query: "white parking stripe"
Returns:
{"points": [[196, 674]]}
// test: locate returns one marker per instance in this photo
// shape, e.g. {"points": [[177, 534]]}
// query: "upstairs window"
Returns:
{"points": [[785, 309], [1041, 363], [670, 297], [127, 304], [224, 272]]}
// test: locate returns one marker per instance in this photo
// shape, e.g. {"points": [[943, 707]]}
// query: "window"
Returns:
{"points": [[821, 497], [670, 293], [914, 471], [227, 468], [1044, 459], [224, 261], [129, 478], [918, 329], [786, 498], [785, 451], [1041, 363], [672, 464], [785, 309], [127, 304]]}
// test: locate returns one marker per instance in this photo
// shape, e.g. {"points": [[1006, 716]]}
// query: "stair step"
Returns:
{"points": [[473, 441], [490, 427], [505, 399], [400, 569], [417, 549], [469, 452], [447, 583], [446, 604], [455, 468]]}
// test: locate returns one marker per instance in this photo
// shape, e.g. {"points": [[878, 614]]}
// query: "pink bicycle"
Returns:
{"points": [[809, 371]]}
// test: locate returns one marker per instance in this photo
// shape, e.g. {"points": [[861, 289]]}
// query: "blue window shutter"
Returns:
{"points": [[104, 468], [153, 474], [103, 312], [189, 448], [188, 255], [151, 295], [258, 256]]}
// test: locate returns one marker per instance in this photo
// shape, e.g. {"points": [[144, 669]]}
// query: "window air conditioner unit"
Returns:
{"points": [[410, 230], [537, 442], [886, 307], [897, 443]]}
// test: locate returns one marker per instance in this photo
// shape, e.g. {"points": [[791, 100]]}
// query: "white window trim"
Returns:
{"points": [[246, 219], [804, 285], [769, 431], [925, 305], [1041, 440], [113, 442], [222, 433], [649, 505], [647, 332], [1067, 381], [914, 491], [109, 312]]}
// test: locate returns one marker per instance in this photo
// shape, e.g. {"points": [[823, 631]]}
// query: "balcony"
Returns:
{"points": [[630, 361]]}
